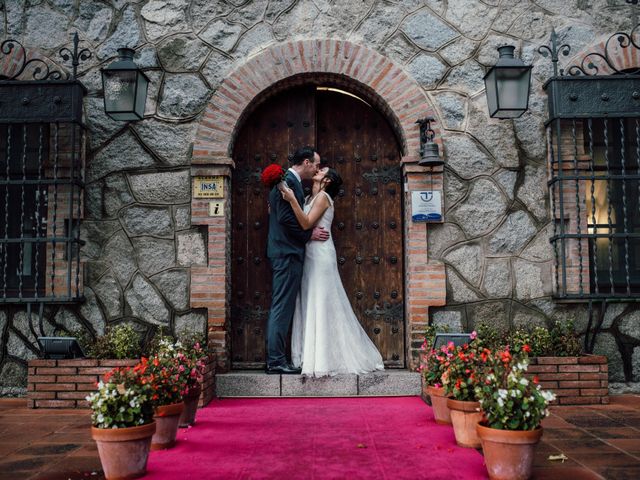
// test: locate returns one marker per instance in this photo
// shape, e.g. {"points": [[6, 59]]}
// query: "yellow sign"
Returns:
{"points": [[208, 187], [216, 209]]}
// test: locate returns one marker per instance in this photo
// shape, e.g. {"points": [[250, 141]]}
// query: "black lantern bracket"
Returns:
{"points": [[426, 132], [553, 51], [75, 55]]}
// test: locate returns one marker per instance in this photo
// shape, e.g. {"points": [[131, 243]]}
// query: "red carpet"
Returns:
{"points": [[316, 438]]}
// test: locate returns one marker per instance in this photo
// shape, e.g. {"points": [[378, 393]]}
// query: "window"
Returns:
{"points": [[613, 205], [41, 171], [23, 209], [594, 185]]}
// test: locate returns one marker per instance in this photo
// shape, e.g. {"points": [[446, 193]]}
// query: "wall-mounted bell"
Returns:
{"points": [[429, 151]]}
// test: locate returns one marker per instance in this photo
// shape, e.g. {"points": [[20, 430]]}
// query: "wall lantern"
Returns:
{"points": [[507, 85], [125, 88], [429, 151]]}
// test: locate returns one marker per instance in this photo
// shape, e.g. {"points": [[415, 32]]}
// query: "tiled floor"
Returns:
{"points": [[599, 441]]}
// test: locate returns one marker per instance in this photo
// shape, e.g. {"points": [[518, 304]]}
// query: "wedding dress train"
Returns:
{"points": [[327, 338]]}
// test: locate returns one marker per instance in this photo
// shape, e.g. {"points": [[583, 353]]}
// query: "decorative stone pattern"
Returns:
{"points": [[211, 62], [66, 383]]}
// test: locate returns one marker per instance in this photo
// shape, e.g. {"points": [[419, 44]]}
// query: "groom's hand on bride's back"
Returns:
{"points": [[320, 234]]}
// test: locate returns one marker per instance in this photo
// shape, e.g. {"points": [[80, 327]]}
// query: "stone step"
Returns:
{"points": [[259, 384]]}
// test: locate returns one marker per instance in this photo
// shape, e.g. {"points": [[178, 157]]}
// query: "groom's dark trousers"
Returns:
{"points": [[287, 275], [285, 249]]}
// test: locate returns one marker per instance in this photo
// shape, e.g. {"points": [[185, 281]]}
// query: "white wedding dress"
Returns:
{"points": [[327, 338]]}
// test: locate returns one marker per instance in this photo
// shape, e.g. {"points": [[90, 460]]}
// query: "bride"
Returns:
{"points": [[327, 337]]}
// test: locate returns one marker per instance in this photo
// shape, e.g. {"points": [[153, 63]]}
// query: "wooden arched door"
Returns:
{"points": [[356, 140]]}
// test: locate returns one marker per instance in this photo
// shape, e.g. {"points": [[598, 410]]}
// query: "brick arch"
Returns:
{"points": [[620, 58], [354, 67]]}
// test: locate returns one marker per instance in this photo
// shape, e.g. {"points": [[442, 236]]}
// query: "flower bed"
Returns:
{"points": [[580, 380], [66, 383]]}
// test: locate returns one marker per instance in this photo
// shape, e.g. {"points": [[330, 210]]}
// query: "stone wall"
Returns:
{"points": [[141, 243]]}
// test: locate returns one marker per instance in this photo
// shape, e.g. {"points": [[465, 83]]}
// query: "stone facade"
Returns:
{"points": [[154, 257]]}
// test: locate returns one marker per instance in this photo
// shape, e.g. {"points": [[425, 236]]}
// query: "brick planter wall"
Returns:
{"points": [[66, 383], [575, 380]]}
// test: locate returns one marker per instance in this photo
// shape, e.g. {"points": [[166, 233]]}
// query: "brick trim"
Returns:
{"points": [[355, 68]]}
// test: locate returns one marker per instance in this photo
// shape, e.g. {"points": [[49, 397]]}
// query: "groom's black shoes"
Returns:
{"points": [[283, 369]]}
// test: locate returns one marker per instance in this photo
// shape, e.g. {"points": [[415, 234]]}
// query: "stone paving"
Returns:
{"points": [[599, 441]]}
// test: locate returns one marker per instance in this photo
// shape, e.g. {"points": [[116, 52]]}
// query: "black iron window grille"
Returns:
{"points": [[594, 173], [42, 163]]}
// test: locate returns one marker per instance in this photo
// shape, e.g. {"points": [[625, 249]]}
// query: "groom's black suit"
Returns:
{"points": [[285, 249]]}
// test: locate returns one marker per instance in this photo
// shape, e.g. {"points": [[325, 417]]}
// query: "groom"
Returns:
{"points": [[285, 249]]}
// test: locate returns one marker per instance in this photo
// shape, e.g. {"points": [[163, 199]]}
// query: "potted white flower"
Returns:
{"points": [[513, 409], [122, 423]]}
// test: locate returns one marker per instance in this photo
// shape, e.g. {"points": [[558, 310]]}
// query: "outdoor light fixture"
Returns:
{"points": [[443, 339], [507, 85], [125, 88], [429, 151], [60, 347]]}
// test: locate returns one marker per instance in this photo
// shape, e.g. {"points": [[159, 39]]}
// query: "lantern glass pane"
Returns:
{"points": [[492, 94], [141, 95], [119, 90], [513, 89]]}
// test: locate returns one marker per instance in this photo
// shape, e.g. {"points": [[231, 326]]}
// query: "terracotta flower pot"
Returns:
{"points": [[167, 418], [124, 451], [508, 454], [439, 404], [465, 416], [188, 416]]}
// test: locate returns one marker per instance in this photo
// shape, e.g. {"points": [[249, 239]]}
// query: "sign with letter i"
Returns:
{"points": [[216, 209]]}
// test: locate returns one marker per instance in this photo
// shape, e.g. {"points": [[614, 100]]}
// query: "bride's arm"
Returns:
{"points": [[307, 221]]}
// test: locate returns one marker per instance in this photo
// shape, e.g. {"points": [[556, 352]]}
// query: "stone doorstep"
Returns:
{"points": [[259, 384]]}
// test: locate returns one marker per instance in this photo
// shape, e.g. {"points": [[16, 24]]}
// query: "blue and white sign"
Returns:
{"points": [[426, 206]]}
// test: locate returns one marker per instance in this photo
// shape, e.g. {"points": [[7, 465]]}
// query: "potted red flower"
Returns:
{"points": [[436, 363], [190, 355], [513, 409], [459, 381], [167, 377]]}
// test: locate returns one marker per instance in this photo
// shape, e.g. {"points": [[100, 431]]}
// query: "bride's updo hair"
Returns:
{"points": [[333, 187]]}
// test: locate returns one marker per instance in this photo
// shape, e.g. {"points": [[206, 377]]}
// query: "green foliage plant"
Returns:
{"points": [[120, 341], [565, 341], [538, 339], [490, 335]]}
